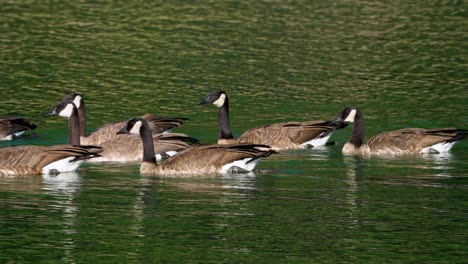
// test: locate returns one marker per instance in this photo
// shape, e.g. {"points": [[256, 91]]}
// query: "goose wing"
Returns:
{"points": [[158, 124], [415, 139], [31, 159], [211, 158], [128, 148], [289, 134]]}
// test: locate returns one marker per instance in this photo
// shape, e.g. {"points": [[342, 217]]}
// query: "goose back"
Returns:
{"points": [[130, 148], [120, 148], [286, 135], [291, 135], [201, 159], [403, 141], [107, 132], [416, 140], [44, 159], [211, 159]]}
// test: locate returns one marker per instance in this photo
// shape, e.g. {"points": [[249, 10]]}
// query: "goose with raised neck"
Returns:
{"points": [[403, 141], [124, 148], [284, 135], [196, 160]]}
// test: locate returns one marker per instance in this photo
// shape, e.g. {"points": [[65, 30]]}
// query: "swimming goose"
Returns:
{"points": [[159, 124], [14, 127], [286, 135], [22, 160], [123, 148], [403, 141], [202, 159]]}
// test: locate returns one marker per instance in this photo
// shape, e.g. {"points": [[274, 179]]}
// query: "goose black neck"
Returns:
{"points": [[74, 128], [148, 146], [223, 121], [357, 138], [82, 118]]}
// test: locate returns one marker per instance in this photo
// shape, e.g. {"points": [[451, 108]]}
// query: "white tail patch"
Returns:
{"points": [[77, 101], [438, 148], [9, 137], [351, 116], [136, 128], [62, 165], [243, 164], [67, 111], [170, 153], [17, 134], [220, 101], [317, 142]]}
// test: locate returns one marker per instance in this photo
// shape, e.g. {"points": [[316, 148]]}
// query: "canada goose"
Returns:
{"points": [[159, 124], [123, 148], [201, 159], [286, 135], [14, 127], [403, 141], [31, 159]]}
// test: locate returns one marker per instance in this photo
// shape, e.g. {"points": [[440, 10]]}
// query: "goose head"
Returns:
{"points": [[76, 98], [63, 109], [217, 98], [348, 114], [133, 126]]}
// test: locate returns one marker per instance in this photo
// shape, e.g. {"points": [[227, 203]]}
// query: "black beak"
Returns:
{"points": [[52, 112], [204, 101], [123, 131], [340, 123], [338, 120]]}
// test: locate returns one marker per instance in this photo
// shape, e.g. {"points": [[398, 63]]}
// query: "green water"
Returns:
{"points": [[404, 63]]}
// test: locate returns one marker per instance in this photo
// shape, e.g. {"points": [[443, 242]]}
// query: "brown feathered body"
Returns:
{"points": [[409, 141], [208, 159], [38, 159], [290, 135], [118, 147], [129, 148], [279, 136], [108, 132], [403, 141], [201, 159]]}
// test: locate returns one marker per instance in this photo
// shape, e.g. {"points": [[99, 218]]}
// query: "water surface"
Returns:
{"points": [[403, 63]]}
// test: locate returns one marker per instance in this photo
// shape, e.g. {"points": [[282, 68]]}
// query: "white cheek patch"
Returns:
{"points": [[220, 101], [351, 116], [136, 128], [67, 111], [77, 101]]}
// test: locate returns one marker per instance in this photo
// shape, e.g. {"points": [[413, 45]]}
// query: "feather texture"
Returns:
{"points": [[158, 124], [286, 135], [33, 159], [403, 141], [201, 159], [120, 148]]}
